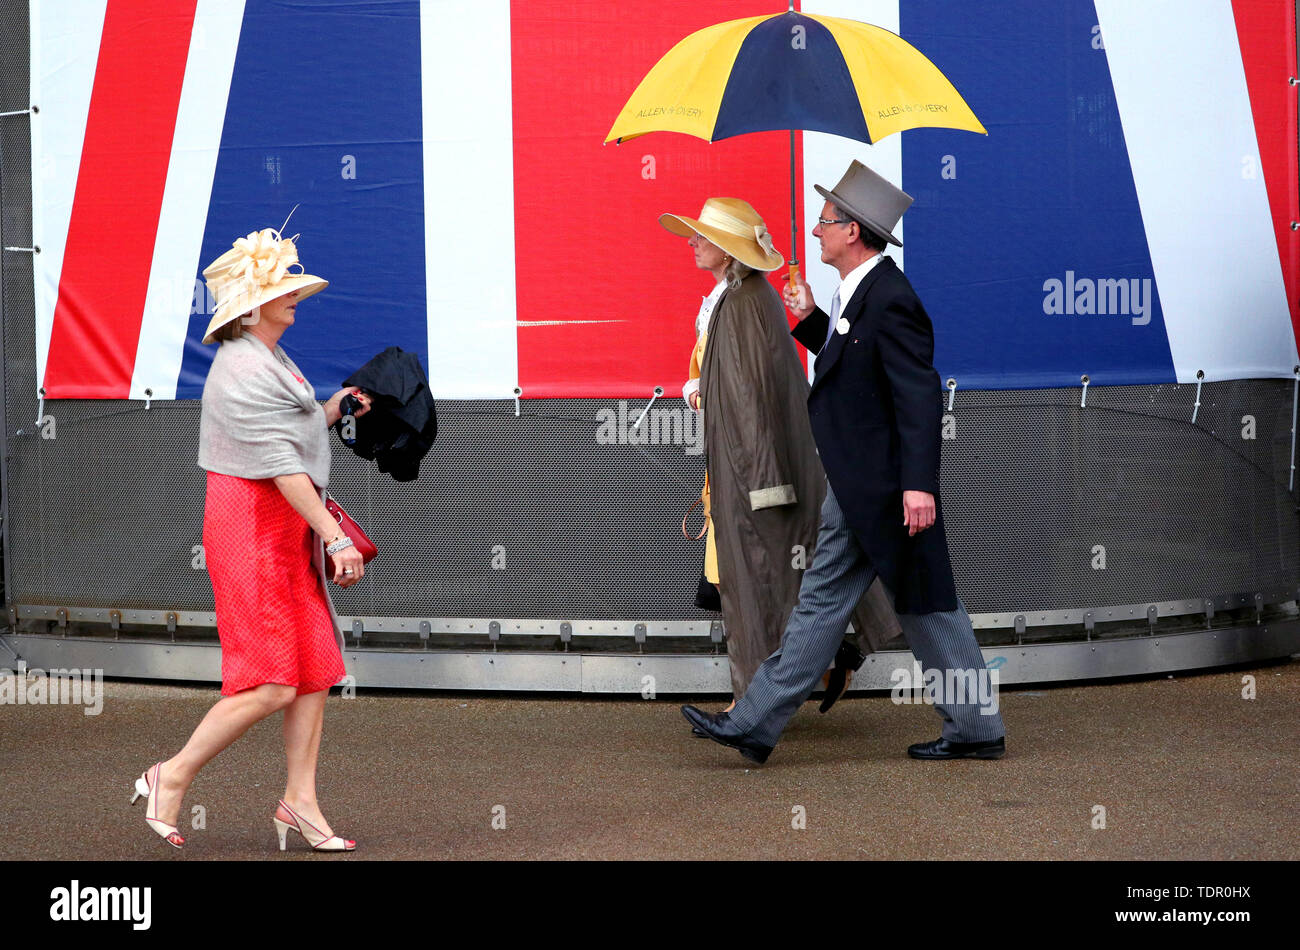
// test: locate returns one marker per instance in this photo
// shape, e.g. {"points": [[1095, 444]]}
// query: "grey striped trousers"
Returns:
{"points": [[831, 587]]}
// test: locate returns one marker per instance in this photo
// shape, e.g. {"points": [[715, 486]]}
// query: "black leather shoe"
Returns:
{"points": [[943, 749], [848, 658], [699, 733], [721, 729]]}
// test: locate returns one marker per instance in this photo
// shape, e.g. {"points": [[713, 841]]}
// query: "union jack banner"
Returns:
{"points": [[1128, 216]]}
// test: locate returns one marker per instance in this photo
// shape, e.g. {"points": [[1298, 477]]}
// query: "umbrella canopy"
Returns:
{"points": [[793, 71]]}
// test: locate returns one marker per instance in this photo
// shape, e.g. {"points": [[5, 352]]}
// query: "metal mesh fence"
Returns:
{"points": [[534, 517], [15, 213]]}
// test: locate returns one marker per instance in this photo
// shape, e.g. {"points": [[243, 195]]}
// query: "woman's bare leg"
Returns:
{"points": [[225, 722], [303, 719]]}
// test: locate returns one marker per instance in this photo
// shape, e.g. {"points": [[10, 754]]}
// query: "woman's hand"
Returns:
{"points": [[303, 496], [333, 412], [691, 392], [348, 567]]}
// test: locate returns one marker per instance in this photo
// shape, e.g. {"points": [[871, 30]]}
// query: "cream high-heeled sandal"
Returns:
{"points": [[145, 786], [318, 840]]}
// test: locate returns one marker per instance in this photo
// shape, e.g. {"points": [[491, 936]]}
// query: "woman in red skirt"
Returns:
{"points": [[263, 440]]}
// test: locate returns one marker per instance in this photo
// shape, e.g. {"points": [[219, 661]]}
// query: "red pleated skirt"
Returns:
{"points": [[272, 616]]}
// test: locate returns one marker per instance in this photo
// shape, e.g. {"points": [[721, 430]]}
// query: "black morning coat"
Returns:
{"points": [[877, 408], [402, 422]]}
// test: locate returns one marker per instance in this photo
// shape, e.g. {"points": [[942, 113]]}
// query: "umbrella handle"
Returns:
{"points": [[793, 281]]}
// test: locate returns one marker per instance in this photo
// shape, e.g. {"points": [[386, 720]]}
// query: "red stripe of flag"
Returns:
{"points": [[589, 247], [1266, 34], [115, 208]]}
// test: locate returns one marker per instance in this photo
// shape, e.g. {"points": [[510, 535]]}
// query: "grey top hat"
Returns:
{"points": [[872, 200]]}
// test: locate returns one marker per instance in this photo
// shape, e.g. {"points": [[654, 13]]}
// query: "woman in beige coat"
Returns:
{"points": [[764, 482]]}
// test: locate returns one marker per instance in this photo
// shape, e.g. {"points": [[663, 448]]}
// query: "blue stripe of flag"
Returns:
{"points": [[325, 112], [1047, 196]]}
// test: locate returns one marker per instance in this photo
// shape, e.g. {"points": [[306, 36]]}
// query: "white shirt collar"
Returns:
{"points": [[849, 285], [706, 308]]}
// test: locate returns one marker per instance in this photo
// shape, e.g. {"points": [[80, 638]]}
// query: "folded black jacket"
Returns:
{"points": [[402, 422]]}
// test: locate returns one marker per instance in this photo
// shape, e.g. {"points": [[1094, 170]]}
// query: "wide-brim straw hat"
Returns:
{"points": [[732, 225], [254, 271]]}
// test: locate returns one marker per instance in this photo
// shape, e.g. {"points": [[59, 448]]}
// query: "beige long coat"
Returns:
{"points": [[767, 484]]}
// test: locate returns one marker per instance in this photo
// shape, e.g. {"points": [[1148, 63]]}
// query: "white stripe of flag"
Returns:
{"points": [[199, 122], [469, 210], [827, 157], [65, 51], [1185, 108]]}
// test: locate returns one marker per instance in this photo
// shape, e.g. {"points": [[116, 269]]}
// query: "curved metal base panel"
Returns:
{"points": [[648, 674]]}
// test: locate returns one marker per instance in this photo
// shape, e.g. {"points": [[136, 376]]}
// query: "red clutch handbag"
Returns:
{"points": [[352, 530]]}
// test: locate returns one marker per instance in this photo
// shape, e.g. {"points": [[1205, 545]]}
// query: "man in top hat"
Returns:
{"points": [[876, 410]]}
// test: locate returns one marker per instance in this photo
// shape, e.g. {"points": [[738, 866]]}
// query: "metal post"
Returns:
{"points": [[1295, 398], [23, 26], [1295, 406], [7, 551]]}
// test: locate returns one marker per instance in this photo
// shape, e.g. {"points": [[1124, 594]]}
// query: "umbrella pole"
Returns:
{"points": [[794, 224]]}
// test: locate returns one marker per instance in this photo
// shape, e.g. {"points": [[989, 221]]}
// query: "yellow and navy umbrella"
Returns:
{"points": [[793, 71]]}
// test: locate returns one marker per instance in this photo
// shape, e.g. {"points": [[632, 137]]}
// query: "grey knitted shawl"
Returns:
{"points": [[257, 420]]}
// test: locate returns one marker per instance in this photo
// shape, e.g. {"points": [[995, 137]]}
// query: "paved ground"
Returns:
{"points": [[1184, 767]]}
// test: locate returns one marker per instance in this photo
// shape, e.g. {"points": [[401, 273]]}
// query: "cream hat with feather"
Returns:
{"points": [[255, 270]]}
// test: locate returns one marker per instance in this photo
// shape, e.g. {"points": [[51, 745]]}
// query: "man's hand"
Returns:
{"points": [[918, 511], [800, 303]]}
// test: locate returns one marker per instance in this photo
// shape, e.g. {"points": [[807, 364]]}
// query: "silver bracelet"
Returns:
{"points": [[337, 546]]}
